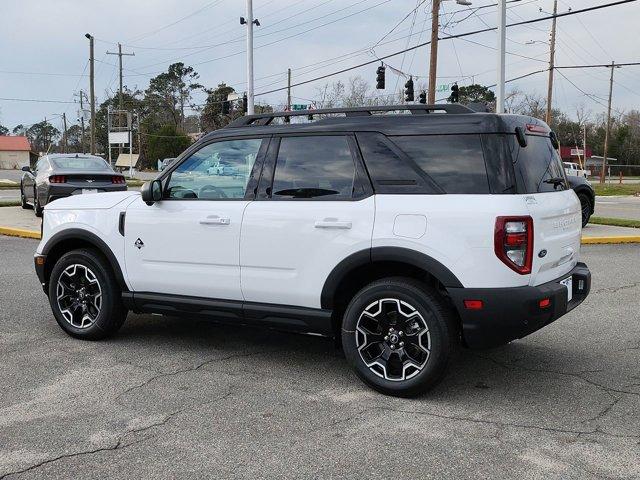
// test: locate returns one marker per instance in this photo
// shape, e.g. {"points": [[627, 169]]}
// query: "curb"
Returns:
{"points": [[603, 240], [19, 232]]}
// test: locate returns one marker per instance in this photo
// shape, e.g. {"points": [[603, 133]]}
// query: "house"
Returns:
{"points": [[15, 152]]}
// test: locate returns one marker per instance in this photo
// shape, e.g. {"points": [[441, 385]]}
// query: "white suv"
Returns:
{"points": [[401, 234]]}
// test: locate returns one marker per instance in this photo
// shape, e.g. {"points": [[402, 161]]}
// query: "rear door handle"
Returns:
{"points": [[332, 223], [215, 220]]}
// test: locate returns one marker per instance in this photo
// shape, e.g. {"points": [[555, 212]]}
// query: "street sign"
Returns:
{"points": [[299, 106], [445, 87]]}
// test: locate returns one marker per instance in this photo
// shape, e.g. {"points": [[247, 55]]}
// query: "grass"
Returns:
{"points": [[9, 203], [616, 222], [616, 189]]}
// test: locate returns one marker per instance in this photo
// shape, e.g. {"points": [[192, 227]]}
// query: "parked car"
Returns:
{"points": [[401, 235], [586, 194], [573, 170], [61, 175], [166, 163]]}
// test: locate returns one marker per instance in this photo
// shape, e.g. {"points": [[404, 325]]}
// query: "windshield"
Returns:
{"points": [[80, 163], [537, 166]]}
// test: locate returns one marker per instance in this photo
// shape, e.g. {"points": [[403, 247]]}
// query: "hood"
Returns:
{"points": [[91, 201]]}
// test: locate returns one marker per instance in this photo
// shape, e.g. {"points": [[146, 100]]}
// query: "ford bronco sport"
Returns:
{"points": [[402, 230]]}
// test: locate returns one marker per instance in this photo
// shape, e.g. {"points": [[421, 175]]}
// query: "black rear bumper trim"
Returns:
{"points": [[511, 313]]}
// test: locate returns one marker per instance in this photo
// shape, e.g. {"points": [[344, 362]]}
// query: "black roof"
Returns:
{"points": [[456, 119]]}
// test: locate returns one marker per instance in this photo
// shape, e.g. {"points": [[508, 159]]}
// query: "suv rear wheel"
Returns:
{"points": [[398, 335], [85, 296]]}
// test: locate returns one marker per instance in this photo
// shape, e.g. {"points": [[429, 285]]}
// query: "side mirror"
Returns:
{"points": [[26, 169], [151, 192]]}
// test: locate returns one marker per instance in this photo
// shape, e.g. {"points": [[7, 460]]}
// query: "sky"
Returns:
{"points": [[44, 52]]}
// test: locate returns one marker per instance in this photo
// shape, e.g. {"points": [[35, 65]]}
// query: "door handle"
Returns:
{"points": [[215, 220], [332, 223]]}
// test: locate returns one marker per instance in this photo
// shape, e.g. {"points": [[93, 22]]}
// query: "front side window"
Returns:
{"points": [[314, 167], [217, 171]]}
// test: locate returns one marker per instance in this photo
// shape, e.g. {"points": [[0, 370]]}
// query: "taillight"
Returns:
{"points": [[513, 242], [57, 179], [117, 179]]}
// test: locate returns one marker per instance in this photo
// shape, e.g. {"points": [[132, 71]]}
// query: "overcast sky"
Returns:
{"points": [[39, 37]]}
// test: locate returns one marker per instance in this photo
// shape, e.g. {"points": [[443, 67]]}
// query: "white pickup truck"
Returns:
{"points": [[574, 170]]}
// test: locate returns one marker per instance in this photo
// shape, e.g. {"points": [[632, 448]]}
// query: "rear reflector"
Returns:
{"points": [[544, 303], [473, 304], [513, 242], [57, 179]]}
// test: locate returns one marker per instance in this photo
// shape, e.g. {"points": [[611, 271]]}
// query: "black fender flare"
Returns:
{"points": [[95, 241], [382, 254]]}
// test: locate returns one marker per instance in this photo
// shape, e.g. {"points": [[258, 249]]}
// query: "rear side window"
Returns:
{"points": [[454, 162], [537, 166], [314, 167]]}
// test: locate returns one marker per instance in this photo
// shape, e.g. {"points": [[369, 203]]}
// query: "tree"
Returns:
{"points": [[74, 139], [170, 92], [212, 115], [42, 136], [4, 130], [168, 142], [20, 130], [475, 94]]}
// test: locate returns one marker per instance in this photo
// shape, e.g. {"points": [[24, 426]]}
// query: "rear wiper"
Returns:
{"points": [[555, 181]]}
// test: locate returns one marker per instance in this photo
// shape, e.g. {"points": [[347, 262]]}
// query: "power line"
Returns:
{"points": [[460, 35]]}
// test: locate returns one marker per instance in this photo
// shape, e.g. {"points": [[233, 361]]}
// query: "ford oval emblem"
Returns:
{"points": [[542, 253]]}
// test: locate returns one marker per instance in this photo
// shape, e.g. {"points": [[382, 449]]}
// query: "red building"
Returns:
{"points": [[570, 154]]}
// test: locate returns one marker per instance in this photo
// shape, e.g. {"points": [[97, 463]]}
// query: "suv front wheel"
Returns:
{"points": [[85, 296], [398, 335]]}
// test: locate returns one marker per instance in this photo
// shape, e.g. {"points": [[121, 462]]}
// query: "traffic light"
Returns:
{"points": [[244, 103], [408, 92], [454, 93], [380, 77], [423, 97], [226, 107]]}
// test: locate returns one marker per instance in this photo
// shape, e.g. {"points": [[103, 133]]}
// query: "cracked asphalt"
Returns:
{"points": [[170, 398]]}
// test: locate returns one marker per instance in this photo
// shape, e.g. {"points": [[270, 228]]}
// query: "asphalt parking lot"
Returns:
{"points": [[170, 398]]}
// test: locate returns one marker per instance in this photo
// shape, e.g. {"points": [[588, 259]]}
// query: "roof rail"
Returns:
{"points": [[267, 118]]}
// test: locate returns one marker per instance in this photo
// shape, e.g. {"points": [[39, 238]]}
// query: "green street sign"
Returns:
{"points": [[299, 106]]}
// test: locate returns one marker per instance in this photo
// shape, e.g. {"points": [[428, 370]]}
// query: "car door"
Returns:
{"points": [[29, 180], [188, 242], [314, 208]]}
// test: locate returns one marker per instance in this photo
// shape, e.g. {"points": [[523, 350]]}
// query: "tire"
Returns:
{"points": [[585, 206], [37, 208], [84, 295], [23, 199], [373, 331]]}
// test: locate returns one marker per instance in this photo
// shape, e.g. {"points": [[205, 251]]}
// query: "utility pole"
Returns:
{"points": [[502, 39], [608, 127], [584, 145], [92, 94], [433, 56], [82, 94], [552, 54], [288, 89], [64, 134], [250, 22], [120, 54]]}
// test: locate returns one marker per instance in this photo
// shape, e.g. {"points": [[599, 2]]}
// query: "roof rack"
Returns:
{"points": [[416, 109]]}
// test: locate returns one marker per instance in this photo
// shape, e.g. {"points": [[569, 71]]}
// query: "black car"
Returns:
{"points": [[61, 175], [586, 195]]}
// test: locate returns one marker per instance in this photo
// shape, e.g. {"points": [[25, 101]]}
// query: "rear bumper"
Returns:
{"points": [[510, 313], [62, 191]]}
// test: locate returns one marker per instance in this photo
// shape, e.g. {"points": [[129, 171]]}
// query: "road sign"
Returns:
{"points": [[299, 106]]}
